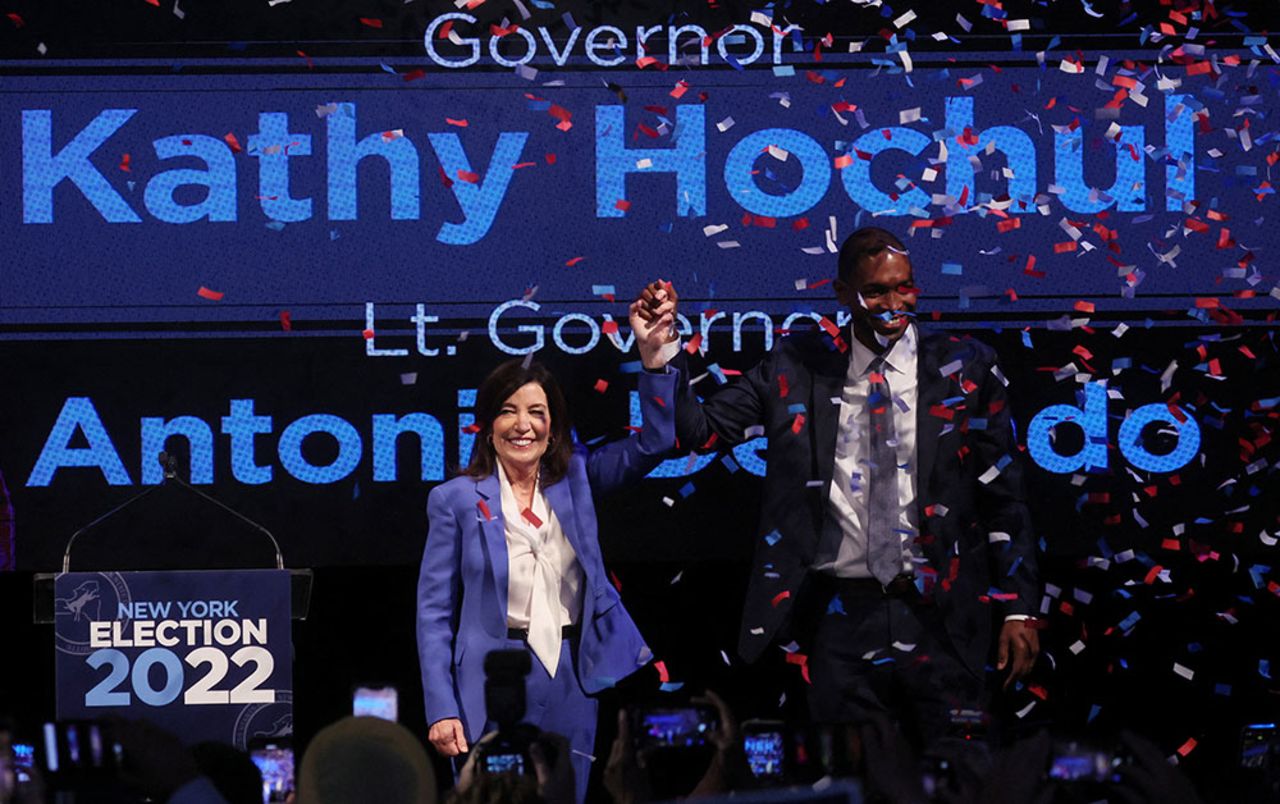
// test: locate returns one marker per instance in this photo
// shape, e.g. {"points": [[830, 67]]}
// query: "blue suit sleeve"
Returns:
{"points": [[625, 461], [438, 605]]}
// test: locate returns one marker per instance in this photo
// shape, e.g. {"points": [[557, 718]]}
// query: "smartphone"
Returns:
{"points": [[673, 727], [1257, 743], [765, 744], [379, 702], [24, 761], [275, 762], [1072, 761]]}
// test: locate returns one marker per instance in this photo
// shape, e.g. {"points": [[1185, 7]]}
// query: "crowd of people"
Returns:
{"points": [[360, 760]]}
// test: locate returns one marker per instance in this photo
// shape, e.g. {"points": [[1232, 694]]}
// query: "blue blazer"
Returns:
{"points": [[462, 586]]}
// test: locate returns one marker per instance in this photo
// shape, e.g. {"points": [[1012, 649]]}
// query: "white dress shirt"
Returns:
{"points": [[848, 497], [544, 578]]}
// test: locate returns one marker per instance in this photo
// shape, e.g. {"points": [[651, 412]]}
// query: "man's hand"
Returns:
{"points": [[1019, 647], [447, 737], [653, 296], [652, 315]]}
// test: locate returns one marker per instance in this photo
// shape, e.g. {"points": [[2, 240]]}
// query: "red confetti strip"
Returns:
{"points": [[781, 596], [458, 123], [367, 334], [371, 22], [211, 295], [484, 510], [797, 424], [231, 140], [286, 321], [531, 517], [663, 675], [574, 261], [601, 386], [124, 163]]}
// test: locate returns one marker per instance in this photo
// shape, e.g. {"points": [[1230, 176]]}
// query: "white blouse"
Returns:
{"points": [[544, 586]]}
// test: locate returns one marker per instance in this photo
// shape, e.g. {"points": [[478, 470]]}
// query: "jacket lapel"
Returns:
{"points": [[828, 383], [931, 390], [560, 500], [489, 492]]}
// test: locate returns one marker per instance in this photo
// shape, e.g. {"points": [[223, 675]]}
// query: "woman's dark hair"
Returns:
{"points": [[496, 389]]}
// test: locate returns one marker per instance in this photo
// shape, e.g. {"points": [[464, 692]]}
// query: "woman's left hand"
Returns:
{"points": [[652, 316]]}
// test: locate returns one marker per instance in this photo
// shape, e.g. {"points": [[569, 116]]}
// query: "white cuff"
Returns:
{"points": [[669, 351]]}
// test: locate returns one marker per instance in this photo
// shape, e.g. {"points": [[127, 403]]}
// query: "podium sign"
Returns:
{"points": [[204, 654]]}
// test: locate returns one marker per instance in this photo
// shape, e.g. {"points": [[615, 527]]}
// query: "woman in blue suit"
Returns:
{"points": [[512, 559]]}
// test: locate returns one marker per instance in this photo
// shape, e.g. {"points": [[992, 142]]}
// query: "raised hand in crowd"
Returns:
{"points": [[624, 776], [728, 770]]}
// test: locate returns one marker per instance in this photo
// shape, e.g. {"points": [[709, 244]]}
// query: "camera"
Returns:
{"points": [[505, 672]]}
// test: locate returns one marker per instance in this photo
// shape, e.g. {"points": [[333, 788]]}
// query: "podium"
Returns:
{"points": [[203, 654]]}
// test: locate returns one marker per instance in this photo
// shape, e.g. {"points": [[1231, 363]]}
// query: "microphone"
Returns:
{"points": [[170, 465]]}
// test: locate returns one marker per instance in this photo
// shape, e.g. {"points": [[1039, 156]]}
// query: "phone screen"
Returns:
{"points": [[24, 761], [379, 702], [275, 763], [1073, 762], [1255, 744], [765, 752], [503, 763], [678, 727]]}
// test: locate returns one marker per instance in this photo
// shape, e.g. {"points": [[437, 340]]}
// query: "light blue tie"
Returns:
{"points": [[884, 544]]}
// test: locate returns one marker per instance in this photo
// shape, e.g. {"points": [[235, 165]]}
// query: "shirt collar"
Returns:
{"points": [[900, 358]]}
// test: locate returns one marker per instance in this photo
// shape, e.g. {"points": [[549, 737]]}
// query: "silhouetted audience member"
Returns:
{"points": [[633, 776], [365, 759], [552, 782], [232, 771], [1019, 777]]}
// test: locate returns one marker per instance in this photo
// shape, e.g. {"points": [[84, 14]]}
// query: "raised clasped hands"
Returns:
{"points": [[653, 316]]}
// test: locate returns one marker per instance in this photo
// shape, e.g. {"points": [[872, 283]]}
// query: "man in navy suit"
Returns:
{"points": [[893, 536]]}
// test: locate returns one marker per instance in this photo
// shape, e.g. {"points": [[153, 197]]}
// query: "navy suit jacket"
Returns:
{"points": [[462, 585], [973, 572]]}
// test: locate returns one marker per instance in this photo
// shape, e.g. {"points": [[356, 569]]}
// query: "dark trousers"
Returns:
{"points": [[876, 654]]}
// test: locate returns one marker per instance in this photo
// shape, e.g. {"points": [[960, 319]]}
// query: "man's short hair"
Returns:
{"points": [[867, 242]]}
